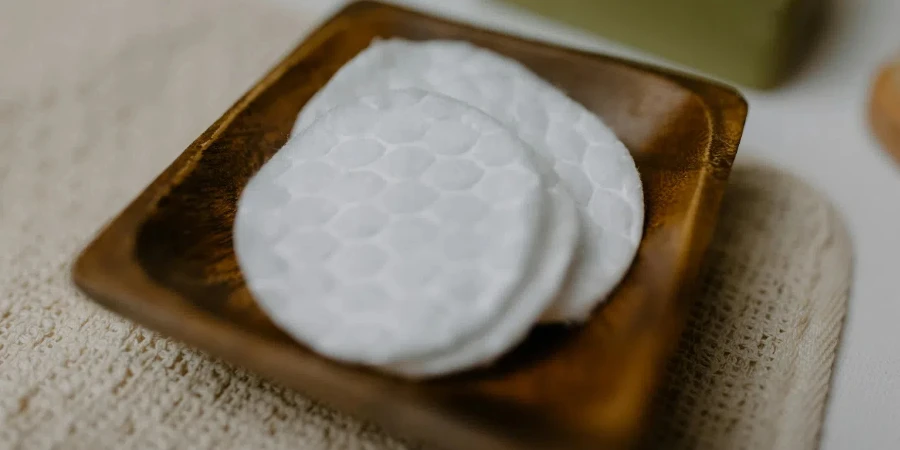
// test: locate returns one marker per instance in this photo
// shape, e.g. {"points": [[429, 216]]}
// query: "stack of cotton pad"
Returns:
{"points": [[435, 201]]}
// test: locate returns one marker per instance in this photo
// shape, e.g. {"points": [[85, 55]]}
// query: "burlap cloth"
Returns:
{"points": [[98, 96]]}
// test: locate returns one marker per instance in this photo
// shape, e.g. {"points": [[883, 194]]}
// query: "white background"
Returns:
{"points": [[815, 126]]}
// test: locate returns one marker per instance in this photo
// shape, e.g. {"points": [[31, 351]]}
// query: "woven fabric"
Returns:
{"points": [[754, 364], [98, 96]]}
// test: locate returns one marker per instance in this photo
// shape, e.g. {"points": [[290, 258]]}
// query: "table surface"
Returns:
{"points": [[815, 126]]}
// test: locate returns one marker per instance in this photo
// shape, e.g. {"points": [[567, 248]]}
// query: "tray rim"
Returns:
{"points": [[116, 282]]}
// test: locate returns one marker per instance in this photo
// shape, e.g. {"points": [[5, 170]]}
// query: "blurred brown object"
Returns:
{"points": [[884, 107]]}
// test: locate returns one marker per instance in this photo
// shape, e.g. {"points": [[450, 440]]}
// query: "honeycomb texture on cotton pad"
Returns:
{"points": [[560, 230], [395, 226], [575, 145]]}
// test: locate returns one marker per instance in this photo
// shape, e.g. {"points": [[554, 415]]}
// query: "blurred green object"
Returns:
{"points": [[751, 42]]}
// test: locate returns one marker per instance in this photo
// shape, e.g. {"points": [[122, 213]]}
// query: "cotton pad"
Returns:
{"points": [[545, 279], [399, 225], [580, 153]]}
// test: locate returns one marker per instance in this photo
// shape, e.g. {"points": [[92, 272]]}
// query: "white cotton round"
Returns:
{"points": [[373, 239], [578, 154], [560, 230]]}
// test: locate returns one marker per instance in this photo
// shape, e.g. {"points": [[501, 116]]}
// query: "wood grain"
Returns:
{"points": [[167, 261]]}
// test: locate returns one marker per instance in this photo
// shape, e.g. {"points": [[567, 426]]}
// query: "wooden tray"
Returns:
{"points": [[167, 262]]}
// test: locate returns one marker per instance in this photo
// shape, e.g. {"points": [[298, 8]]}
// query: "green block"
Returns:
{"points": [[751, 42]]}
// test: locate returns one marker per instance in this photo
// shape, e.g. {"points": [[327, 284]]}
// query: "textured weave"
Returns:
{"points": [[98, 96], [753, 368]]}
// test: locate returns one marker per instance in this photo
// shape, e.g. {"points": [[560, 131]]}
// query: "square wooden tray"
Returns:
{"points": [[167, 261]]}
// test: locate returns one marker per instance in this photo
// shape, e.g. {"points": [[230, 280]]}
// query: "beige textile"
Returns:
{"points": [[98, 96], [754, 365]]}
